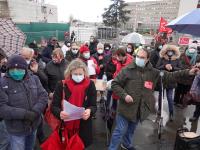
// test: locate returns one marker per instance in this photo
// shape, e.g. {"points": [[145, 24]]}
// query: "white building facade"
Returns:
{"points": [[26, 11], [83, 30], [146, 15]]}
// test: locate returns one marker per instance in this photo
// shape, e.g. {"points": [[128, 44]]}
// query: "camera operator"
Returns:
{"points": [[169, 61]]}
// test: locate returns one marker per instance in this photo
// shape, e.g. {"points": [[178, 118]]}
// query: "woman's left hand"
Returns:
{"points": [[86, 114]]}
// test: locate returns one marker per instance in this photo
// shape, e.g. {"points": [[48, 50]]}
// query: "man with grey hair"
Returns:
{"points": [[37, 69]]}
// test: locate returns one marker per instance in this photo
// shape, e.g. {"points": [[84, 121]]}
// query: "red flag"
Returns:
{"points": [[163, 28]]}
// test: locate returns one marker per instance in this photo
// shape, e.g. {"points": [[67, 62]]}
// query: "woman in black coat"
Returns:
{"points": [[169, 61], [80, 91]]}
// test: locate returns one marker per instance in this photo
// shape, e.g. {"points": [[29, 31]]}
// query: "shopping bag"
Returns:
{"points": [[51, 120]]}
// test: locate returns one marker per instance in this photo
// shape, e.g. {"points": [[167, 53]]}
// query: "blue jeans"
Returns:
{"points": [[197, 111], [170, 99], [123, 133], [4, 137], [23, 142]]}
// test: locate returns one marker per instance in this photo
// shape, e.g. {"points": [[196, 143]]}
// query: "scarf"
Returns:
{"points": [[76, 98], [192, 55], [107, 53]]}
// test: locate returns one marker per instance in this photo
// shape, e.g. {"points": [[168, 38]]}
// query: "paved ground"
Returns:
{"points": [[146, 137]]}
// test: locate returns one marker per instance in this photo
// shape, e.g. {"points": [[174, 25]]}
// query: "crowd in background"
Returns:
{"points": [[37, 77]]}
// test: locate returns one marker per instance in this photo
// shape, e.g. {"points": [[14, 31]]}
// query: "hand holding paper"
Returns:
{"points": [[73, 112], [63, 115], [86, 114], [91, 68]]}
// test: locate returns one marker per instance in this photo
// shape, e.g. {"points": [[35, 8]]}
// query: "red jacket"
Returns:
{"points": [[119, 66]]}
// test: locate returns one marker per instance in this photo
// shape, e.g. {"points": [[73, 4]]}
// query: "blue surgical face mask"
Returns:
{"points": [[140, 62], [17, 74]]}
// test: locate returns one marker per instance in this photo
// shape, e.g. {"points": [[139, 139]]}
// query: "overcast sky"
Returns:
{"points": [[85, 10]]}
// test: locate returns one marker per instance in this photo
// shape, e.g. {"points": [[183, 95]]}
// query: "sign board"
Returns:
{"points": [[183, 40]]}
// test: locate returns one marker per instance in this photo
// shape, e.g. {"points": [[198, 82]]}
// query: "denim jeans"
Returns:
{"points": [[4, 137], [123, 133], [197, 111], [170, 99], [23, 142]]}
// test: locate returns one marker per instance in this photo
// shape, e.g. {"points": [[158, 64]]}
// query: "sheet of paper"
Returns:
{"points": [[73, 111], [91, 69]]}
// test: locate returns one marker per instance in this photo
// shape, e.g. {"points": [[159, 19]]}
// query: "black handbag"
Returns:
{"points": [[184, 143]]}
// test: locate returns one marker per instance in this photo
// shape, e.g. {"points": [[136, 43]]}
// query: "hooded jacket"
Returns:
{"points": [[165, 59]]}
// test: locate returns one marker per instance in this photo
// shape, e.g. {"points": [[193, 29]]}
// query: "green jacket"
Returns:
{"points": [[139, 83]]}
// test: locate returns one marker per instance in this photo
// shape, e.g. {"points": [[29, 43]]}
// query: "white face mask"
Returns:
{"points": [[77, 78], [129, 50], [100, 51], [74, 51], [86, 55], [28, 62]]}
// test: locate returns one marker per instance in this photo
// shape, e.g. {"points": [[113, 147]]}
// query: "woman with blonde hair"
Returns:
{"points": [[80, 91]]}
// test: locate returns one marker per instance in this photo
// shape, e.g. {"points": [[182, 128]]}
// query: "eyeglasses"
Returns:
{"points": [[54, 40], [74, 49]]}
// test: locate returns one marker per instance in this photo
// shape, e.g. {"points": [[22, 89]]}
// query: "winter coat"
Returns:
{"points": [[139, 83], [90, 102], [41, 74], [70, 56], [195, 88], [55, 73], [17, 97], [164, 60], [119, 66], [154, 58], [185, 63], [93, 47], [110, 67], [100, 61], [47, 52]]}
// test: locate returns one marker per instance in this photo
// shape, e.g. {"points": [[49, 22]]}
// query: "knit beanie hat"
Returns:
{"points": [[17, 61], [83, 49]]}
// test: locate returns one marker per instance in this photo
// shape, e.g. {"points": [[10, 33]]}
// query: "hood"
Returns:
{"points": [[163, 52]]}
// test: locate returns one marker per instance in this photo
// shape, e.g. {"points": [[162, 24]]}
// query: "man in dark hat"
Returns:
{"points": [[22, 101]]}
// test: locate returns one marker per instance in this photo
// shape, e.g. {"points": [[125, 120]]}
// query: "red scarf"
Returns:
{"points": [[77, 91]]}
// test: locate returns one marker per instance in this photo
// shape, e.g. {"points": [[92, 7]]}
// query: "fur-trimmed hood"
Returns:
{"points": [[163, 52]]}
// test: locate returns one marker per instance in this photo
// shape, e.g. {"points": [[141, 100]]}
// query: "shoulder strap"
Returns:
{"points": [[63, 94]]}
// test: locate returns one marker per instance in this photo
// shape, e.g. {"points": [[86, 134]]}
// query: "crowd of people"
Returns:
{"points": [[37, 79]]}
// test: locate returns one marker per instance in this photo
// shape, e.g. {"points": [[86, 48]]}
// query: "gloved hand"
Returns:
{"points": [[31, 116]]}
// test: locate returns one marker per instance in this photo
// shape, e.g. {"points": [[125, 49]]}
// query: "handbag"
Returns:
{"points": [[58, 140], [184, 142], [51, 120]]}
